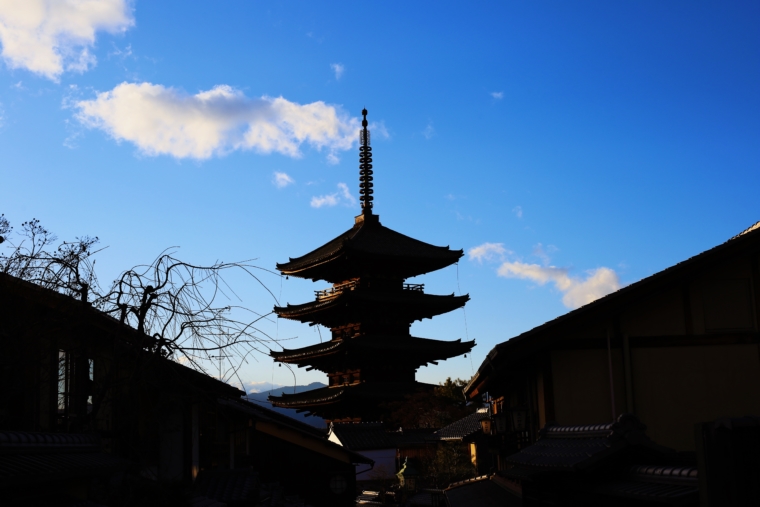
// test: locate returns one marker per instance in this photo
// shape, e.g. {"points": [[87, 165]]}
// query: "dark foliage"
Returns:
{"points": [[431, 409]]}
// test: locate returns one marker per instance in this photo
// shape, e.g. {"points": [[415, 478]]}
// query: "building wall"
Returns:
{"points": [[689, 358], [662, 313], [581, 384], [677, 387]]}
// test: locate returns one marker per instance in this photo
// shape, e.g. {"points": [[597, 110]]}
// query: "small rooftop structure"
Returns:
{"points": [[464, 427]]}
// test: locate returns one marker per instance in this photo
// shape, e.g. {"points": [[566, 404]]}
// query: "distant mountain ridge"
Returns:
{"points": [[261, 399]]}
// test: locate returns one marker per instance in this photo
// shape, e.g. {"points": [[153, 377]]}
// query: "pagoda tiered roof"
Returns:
{"points": [[349, 398], [371, 358], [370, 247], [357, 305], [408, 349]]}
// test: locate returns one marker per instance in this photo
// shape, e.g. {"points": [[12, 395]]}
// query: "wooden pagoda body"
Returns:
{"points": [[371, 358]]}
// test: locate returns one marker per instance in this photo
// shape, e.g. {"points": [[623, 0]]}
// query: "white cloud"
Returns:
{"points": [[339, 69], [497, 95], [487, 252], [577, 292], [324, 200], [342, 196], [166, 121], [378, 130], [518, 211], [345, 194], [429, 131], [48, 37], [282, 180], [543, 254]]}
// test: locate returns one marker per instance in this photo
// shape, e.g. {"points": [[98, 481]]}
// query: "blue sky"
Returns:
{"points": [[569, 148]]}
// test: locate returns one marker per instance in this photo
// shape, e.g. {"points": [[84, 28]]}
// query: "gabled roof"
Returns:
{"points": [[370, 245], [33, 458], [520, 347], [579, 447], [464, 427]]}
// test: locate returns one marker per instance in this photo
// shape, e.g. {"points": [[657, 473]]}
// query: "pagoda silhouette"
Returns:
{"points": [[372, 357]]}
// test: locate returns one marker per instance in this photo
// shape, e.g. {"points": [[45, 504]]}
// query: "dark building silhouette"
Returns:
{"points": [[371, 358], [90, 413], [677, 351]]}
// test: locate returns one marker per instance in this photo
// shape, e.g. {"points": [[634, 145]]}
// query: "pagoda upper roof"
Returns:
{"points": [[360, 305], [370, 248], [403, 348]]}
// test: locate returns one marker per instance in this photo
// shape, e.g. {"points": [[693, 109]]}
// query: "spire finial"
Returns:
{"points": [[365, 168]]}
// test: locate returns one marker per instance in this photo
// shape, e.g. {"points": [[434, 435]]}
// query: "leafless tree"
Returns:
{"points": [[180, 305], [177, 304], [69, 268]]}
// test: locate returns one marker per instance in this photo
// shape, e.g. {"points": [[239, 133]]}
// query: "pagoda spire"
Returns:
{"points": [[365, 168]]}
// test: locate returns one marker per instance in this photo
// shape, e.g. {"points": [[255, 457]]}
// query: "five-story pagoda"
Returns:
{"points": [[371, 358]]}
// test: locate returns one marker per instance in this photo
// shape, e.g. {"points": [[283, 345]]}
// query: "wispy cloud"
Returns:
{"points": [[339, 69], [342, 196], [497, 95], [577, 291], [165, 121], [429, 131], [518, 211], [282, 180], [48, 37], [487, 252], [543, 253]]}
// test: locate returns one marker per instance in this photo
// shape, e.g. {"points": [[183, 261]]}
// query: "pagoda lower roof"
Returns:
{"points": [[408, 349], [365, 393], [360, 305], [370, 248]]}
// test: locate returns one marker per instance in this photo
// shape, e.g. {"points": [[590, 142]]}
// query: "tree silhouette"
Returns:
{"points": [[178, 304]]}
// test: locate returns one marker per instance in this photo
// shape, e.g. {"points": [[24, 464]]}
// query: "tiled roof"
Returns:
{"points": [[266, 414], [27, 457], [666, 484], [404, 305], [463, 427], [480, 492], [370, 241], [427, 349], [580, 446], [239, 485], [749, 229]]}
